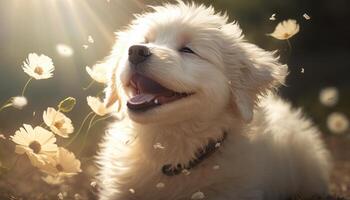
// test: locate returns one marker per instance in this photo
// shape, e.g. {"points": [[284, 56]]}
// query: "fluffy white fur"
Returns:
{"points": [[271, 151]]}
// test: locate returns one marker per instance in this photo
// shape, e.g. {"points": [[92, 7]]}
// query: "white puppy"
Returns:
{"points": [[200, 117]]}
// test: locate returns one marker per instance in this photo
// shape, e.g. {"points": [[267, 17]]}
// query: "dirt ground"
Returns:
{"points": [[10, 187], [340, 179]]}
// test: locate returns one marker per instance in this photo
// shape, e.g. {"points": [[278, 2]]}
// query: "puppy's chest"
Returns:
{"points": [[147, 180]]}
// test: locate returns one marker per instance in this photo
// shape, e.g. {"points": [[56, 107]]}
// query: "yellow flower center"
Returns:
{"points": [[58, 124], [286, 35], [35, 146], [59, 167], [38, 70]]}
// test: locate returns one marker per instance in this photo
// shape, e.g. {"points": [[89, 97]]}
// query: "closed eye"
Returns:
{"points": [[186, 50]]}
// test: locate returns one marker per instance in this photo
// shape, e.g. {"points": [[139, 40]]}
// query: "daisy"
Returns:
{"points": [[98, 73], [285, 29], [38, 67], [64, 164], [337, 123], [329, 96], [98, 106], [37, 143], [19, 102], [58, 122]]}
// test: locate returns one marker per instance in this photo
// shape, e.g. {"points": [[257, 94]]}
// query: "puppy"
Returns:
{"points": [[200, 117]]}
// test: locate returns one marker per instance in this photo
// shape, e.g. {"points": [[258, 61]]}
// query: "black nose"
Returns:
{"points": [[138, 53]]}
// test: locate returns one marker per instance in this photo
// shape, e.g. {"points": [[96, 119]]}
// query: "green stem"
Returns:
{"points": [[91, 124], [101, 119], [81, 126], [90, 84], [5, 106], [91, 120], [289, 45], [26, 85]]}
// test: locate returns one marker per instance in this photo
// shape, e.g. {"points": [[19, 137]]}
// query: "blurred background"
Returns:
{"points": [[78, 33]]}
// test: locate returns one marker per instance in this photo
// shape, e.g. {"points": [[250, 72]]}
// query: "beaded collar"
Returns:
{"points": [[201, 155]]}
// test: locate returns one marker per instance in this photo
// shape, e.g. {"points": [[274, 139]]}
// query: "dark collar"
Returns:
{"points": [[201, 155]]}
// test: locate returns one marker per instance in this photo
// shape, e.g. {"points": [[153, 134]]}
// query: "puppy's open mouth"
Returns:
{"points": [[149, 94]]}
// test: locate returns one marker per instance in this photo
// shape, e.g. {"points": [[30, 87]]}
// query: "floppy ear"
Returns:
{"points": [[251, 71], [258, 72]]}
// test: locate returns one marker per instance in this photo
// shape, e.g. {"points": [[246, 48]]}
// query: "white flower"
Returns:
{"points": [[329, 96], [90, 39], [53, 180], [64, 164], [38, 67], [285, 29], [98, 72], [273, 17], [19, 102], [2, 136], [64, 50], [58, 122], [198, 195], [98, 106], [85, 46], [37, 143], [337, 123]]}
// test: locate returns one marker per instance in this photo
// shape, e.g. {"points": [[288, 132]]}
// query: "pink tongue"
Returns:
{"points": [[149, 91], [141, 101]]}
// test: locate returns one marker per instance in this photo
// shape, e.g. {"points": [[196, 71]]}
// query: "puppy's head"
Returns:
{"points": [[183, 61]]}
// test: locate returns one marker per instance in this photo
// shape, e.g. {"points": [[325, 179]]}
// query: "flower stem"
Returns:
{"points": [[101, 119], [91, 120], [81, 126], [289, 45], [25, 86], [90, 84], [5, 106]]}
